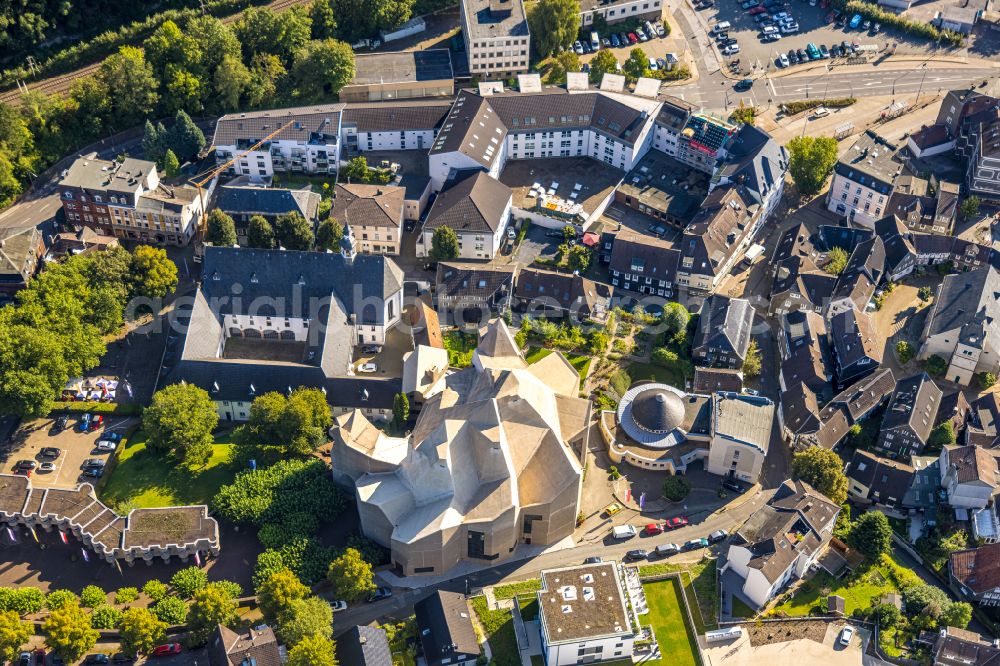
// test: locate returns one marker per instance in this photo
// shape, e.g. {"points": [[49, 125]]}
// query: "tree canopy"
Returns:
{"points": [[306, 617], [836, 261], [444, 244], [811, 160], [141, 630], [871, 534], [823, 470], [211, 606], [351, 576], [221, 228], [260, 233], [313, 651], [69, 632], [179, 420], [553, 23], [14, 633], [294, 425], [275, 595], [293, 232], [322, 68]]}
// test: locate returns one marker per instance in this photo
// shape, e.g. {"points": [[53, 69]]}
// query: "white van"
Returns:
{"points": [[595, 41], [722, 26], [770, 30], [821, 112], [621, 532]]}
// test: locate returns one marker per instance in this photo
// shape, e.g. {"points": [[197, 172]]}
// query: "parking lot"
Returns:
{"points": [[813, 28], [75, 447]]}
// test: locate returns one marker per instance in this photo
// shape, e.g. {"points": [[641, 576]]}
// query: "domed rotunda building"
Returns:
{"points": [[660, 427]]}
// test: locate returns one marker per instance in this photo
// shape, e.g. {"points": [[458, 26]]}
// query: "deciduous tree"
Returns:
{"points": [[260, 234], [400, 410], [130, 85], [179, 417], [322, 68], [602, 63], [351, 576], [189, 580], [836, 261], [275, 595], [221, 228], [210, 606], [811, 160], [153, 274], [444, 244], [231, 81], [956, 614], [69, 632], [823, 470], [553, 23], [871, 534], [13, 634], [293, 232], [141, 630], [313, 651], [172, 610], [753, 361], [329, 235], [636, 65], [311, 616]]}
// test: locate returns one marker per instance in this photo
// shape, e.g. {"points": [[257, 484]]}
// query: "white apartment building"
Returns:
{"points": [[497, 39], [583, 615], [307, 141], [398, 125], [614, 12], [968, 475], [477, 207], [863, 181]]}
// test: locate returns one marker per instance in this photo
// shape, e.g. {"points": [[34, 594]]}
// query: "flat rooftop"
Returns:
{"points": [[402, 67], [261, 349], [485, 24], [178, 525], [583, 602], [871, 161], [596, 180], [662, 183]]}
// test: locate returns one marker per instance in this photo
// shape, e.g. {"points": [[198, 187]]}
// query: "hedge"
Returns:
{"points": [[875, 13], [801, 105], [79, 407]]}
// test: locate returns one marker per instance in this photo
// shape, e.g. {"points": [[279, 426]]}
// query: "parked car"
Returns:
{"points": [[166, 650], [637, 554], [368, 368], [666, 549], [374, 349], [122, 658], [99, 658], [50, 452], [84, 423], [25, 464], [379, 594], [94, 462], [605, 42], [105, 445], [660, 30], [783, 60], [661, 63], [93, 472], [721, 36], [96, 422], [771, 36], [338, 606], [876, 28], [47, 467], [855, 22], [846, 46], [732, 49], [813, 52], [846, 635], [652, 529], [802, 55], [728, 42], [24, 659], [632, 39], [60, 423], [823, 51], [757, 10], [694, 544], [578, 47], [732, 484], [615, 42], [717, 536], [748, 4], [623, 38], [866, 25], [675, 522], [789, 28], [593, 559], [793, 57]]}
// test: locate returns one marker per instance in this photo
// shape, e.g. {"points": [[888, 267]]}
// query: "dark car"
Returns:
{"points": [[93, 462], [637, 554], [824, 51], [593, 560], [24, 659], [60, 423], [93, 472], [50, 452], [122, 658], [722, 36], [847, 48], [743, 84], [55, 660], [370, 349], [730, 484], [793, 57], [99, 658], [802, 55], [379, 594], [614, 41], [25, 464]]}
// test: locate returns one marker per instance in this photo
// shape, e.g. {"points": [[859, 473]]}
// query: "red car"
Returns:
{"points": [[632, 38], [652, 529], [674, 523], [166, 650], [757, 10], [96, 422]]}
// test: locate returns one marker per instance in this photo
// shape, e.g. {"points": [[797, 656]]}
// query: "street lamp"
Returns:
{"points": [[921, 87]]}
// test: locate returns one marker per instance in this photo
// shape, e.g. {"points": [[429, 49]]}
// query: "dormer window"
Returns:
{"points": [[253, 390], [215, 276], [253, 278], [215, 387]]}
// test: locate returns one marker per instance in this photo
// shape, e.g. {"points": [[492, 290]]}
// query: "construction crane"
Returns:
{"points": [[200, 179]]}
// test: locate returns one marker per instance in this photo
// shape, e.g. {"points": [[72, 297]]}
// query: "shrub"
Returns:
{"points": [[904, 351], [799, 106], [171, 610], [22, 600], [936, 366], [106, 617], [188, 581], [56, 599], [126, 595], [925, 294], [676, 488], [276, 493], [154, 589], [986, 380], [93, 596]]}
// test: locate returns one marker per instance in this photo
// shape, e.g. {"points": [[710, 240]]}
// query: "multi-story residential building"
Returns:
{"points": [[446, 632], [305, 140], [856, 285], [803, 348], [921, 212], [490, 463], [717, 239], [497, 39], [758, 163], [959, 647], [241, 202], [126, 200], [397, 125], [963, 326], [723, 334], [878, 481], [476, 287], [976, 572], [670, 122], [703, 141], [863, 180], [477, 208], [615, 11], [656, 189], [900, 255], [982, 427], [644, 264], [258, 645], [970, 475], [909, 418], [983, 175], [584, 615], [553, 295], [798, 281], [847, 408], [318, 307], [400, 75], [374, 214], [483, 132], [780, 542], [857, 349]]}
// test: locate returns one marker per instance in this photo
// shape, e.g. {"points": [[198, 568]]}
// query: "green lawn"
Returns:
{"points": [[639, 371], [857, 592], [666, 617], [499, 628], [579, 362], [740, 609], [149, 479], [699, 587]]}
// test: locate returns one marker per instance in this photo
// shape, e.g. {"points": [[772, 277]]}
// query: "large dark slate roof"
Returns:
{"points": [[306, 122], [963, 297], [650, 257], [658, 411], [396, 116], [267, 201], [445, 626], [731, 318], [364, 646], [915, 404], [475, 203]]}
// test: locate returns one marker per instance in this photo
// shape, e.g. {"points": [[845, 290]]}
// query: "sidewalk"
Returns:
{"points": [[933, 62]]}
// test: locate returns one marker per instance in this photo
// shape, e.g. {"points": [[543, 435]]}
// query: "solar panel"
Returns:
{"points": [[490, 88], [613, 83], [647, 87], [529, 83], [577, 81]]}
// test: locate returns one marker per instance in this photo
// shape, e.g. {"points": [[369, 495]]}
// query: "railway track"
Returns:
{"points": [[62, 82]]}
